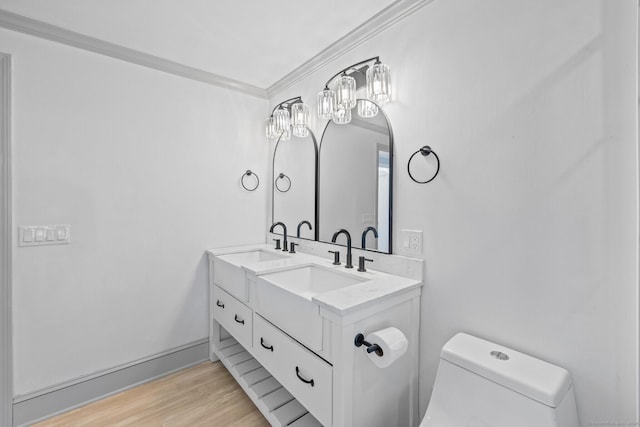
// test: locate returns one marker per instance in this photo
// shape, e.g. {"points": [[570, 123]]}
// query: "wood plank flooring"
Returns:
{"points": [[203, 395]]}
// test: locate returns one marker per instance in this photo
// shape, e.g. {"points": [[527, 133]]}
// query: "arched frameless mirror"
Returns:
{"points": [[293, 183], [355, 180]]}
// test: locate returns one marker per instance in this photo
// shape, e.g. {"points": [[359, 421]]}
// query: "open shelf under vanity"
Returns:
{"points": [[277, 405]]}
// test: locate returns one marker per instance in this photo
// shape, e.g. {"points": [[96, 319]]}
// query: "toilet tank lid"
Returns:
{"points": [[524, 374]]}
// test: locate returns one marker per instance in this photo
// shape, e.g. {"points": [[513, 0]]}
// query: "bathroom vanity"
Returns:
{"points": [[284, 326]]}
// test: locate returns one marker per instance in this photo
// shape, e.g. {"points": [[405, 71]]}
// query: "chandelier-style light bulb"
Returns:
{"points": [[378, 82], [326, 103], [342, 116], [367, 109], [282, 119], [345, 92], [270, 128], [300, 114], [300, 119]]}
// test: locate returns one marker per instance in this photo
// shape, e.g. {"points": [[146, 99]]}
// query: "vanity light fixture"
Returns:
{"points": [[282, 118], [271, 131], [342, 116], [367, 109], [345, 92], [378, 82], [336, 103], [300, 119], [290, 116]]}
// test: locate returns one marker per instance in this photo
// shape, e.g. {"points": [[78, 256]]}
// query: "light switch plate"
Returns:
{"points": [[411, 243], [39, 235]]}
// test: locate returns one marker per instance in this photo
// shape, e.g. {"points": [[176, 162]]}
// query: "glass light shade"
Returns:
{"points": [[367, 109], [270, 128], [345, 92], [300, 131], [326, 104], [282, 119], [285, 135], [300, 119], [300, 114], [378, 82], [342, 116]]}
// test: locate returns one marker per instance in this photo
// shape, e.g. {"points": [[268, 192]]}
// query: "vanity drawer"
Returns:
{"points": [[306, 376], [234, 316]]}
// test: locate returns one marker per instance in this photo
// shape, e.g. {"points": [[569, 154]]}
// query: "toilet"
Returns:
{"points": [[482, 384]]}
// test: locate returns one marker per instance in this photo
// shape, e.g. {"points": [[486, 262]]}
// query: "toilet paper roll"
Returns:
{"points": [[393, 344]]}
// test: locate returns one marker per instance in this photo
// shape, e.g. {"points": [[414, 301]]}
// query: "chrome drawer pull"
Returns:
{"points": [[238, 320], [264, 346], [219, 304], [302, 379]]}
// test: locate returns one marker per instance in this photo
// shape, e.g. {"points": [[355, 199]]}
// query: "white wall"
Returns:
{"points": [[530, 229], [145, 167]]}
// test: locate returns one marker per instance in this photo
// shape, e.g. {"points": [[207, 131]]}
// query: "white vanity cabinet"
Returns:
{"points": [[320, 377], [306, 376], [232, 315]]}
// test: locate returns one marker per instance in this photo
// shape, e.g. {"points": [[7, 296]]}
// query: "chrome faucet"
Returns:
{"points": [[333, 240], [364, 235], [285, 245], [300, 225]]}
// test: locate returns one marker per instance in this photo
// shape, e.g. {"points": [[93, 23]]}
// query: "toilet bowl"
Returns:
{"points": [[482, 384]]}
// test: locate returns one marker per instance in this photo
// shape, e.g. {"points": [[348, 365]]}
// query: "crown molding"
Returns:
{"points": [[33, 27], [387, 17]]}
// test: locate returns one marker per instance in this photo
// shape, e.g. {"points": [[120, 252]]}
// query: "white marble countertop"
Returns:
{"points": [[377, 286], [237, 249], [355, 297]]}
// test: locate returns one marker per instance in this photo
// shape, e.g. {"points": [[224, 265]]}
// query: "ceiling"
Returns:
{"points": [[253, 41]]}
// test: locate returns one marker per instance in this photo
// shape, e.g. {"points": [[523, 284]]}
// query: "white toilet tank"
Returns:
{"points": [[481, 384]]}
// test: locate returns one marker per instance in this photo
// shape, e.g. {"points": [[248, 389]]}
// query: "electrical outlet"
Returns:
{"points": [[411, 242], [414, 242]]}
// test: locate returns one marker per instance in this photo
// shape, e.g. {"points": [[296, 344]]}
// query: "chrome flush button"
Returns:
{"points": [[499, 355]]}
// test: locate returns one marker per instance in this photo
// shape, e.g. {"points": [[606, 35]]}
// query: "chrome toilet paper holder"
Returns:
{"points": [[359, 342]]}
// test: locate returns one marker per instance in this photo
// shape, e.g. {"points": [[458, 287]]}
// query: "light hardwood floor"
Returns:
{"points": [[203, 395]]}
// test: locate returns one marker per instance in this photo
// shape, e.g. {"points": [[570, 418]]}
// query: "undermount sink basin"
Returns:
{"points": [[228, 272], [285, 298]]}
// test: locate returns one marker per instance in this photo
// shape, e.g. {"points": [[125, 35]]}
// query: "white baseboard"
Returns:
{"points": [[63, 397]]}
